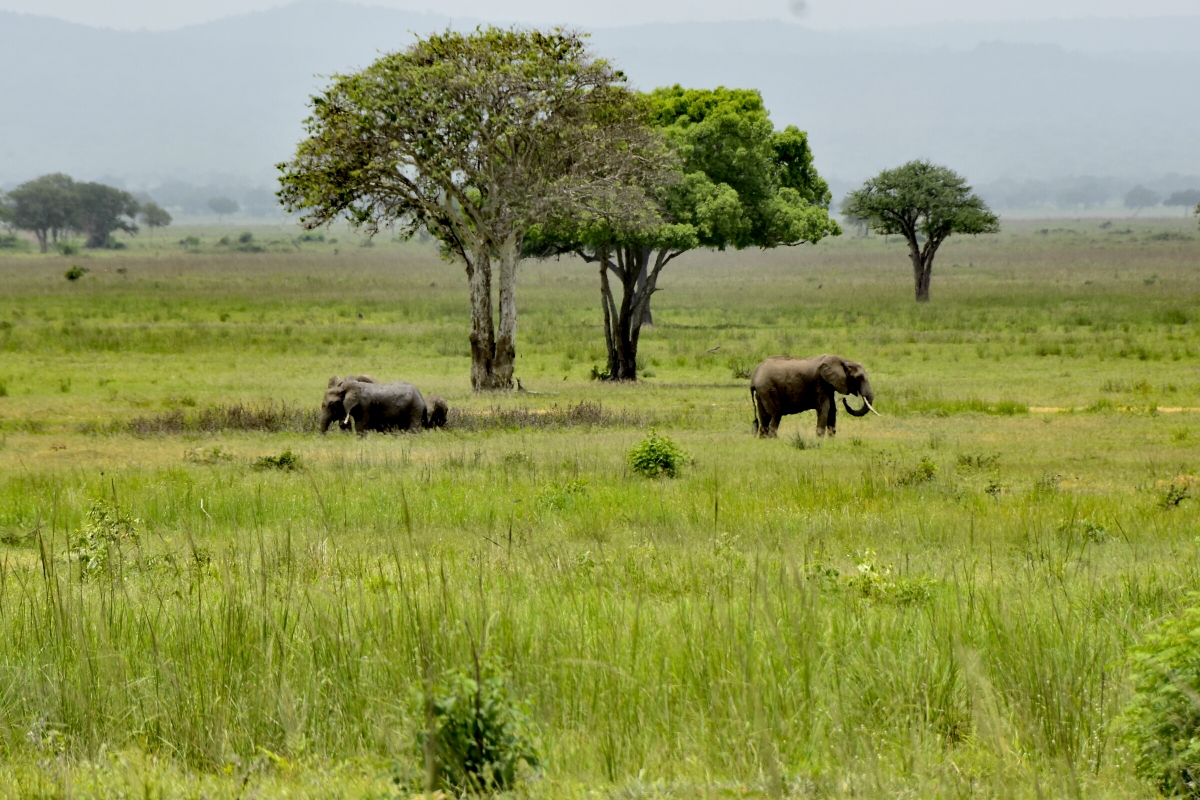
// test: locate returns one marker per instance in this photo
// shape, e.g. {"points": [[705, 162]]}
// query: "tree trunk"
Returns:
{"points": [[643, 276], [623, 322], [483, 342], [41, 237], [506, 341]]}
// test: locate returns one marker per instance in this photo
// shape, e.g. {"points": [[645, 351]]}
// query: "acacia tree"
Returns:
{"points": [[154, 216], [475, 138], [737, 183], [46, 206], [925, 203], [1187, 198], [101, 209]]}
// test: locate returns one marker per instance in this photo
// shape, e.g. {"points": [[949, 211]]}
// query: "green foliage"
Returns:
{"points": [[190, 242], [481, 733], [75, 272], [876, 581], [287, 460], [101, 210], [102, 535], [1140, 197], [1162, 720], [1175, 494], [10, 241], [924, 472], [66, 247], [657, 455], [154, 216]]}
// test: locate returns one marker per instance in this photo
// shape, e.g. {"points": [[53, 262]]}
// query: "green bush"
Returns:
{"points": [[75, 272], [480, 733], [286, 460], [105, 530], [657, 455], [1162, 720], [67, 248], [10, 241]]}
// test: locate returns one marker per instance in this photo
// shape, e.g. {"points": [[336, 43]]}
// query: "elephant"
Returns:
{"points": [[385, 407], [436, 411], [782, 385], [332, 407]]}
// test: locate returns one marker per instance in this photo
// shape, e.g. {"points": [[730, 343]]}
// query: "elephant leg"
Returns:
{"points": [[764, 420], [831, 421], [823, 419], [774, 427]]}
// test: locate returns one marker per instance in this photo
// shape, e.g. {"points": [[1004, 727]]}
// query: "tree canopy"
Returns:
{"points": [[154, 216], [100, 210], [476, 138], [1186, 198], [736, 182], [925, 203], [1140, 197]]}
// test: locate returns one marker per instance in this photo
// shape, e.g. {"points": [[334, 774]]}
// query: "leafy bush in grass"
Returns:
{"points": [[657, 455], [286, 460], [1162, 720], [480, 733], [104, 532]]}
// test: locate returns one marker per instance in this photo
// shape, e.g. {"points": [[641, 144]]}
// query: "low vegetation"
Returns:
{"points": [[983, 592]]}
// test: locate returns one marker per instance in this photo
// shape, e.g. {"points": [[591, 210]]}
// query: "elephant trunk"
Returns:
{"points": [[867, 407]]}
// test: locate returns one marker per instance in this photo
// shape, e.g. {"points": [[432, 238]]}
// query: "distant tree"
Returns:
{"points": [[1140, 197], [222, 206], [101, 209], [1187, 198], [46, 206], [861, 225], [738, 183], [154, 216], [922, 202], [6, 212], [474, 137]]}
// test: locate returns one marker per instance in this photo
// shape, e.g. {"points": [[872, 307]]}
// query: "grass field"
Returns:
{"points": [[935, 603]]}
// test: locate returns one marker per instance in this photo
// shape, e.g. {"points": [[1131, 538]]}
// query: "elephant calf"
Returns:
{"points": [[781, 385]]}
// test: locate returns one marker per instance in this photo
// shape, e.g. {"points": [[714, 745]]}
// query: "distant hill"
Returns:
{"points": [[224, 101]]}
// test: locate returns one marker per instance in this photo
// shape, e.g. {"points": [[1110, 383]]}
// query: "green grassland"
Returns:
{"points": [[935, 603]]}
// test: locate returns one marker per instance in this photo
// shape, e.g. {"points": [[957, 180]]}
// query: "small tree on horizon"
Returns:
{"points": [[1140, 197], [926, 204], [223, 206], [46, 206], [100, 210], [1187, 198], [154, 216]]}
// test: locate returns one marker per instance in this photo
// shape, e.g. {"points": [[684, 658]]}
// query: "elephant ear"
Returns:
{"points": [[833, 370], [332, 382]]}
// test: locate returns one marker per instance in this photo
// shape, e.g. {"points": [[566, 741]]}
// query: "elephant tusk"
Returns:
{"points": [[873, 411], [346, 421]]}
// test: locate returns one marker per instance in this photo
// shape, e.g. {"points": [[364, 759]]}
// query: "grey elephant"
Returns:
{"points": [[390, 406], [436, 411], [332, 407], [782, 385]]}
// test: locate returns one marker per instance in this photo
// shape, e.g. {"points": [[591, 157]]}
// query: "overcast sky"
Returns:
{"points": [[159, 14]]}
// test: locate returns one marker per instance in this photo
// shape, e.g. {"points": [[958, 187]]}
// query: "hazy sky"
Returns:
{"points": [[158, 14]]}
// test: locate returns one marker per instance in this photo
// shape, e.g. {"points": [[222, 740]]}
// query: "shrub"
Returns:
{"points": [[105, 530], [67, 248], [1162, 720], [75, 272], [480, 733], [286, 460], [921, 473], [10, 241], [657, 455]]}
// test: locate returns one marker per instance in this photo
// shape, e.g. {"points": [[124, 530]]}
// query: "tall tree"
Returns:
{"points": [[100, 210], [925, 203], [1187, 198], [46, 206], [738, 183], [474, 137], [154, 216]]}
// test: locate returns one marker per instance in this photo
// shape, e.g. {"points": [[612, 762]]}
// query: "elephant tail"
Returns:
{"points": [[754, 405]]}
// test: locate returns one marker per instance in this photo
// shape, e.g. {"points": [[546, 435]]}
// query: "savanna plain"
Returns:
{"points": [[201, 597]]}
